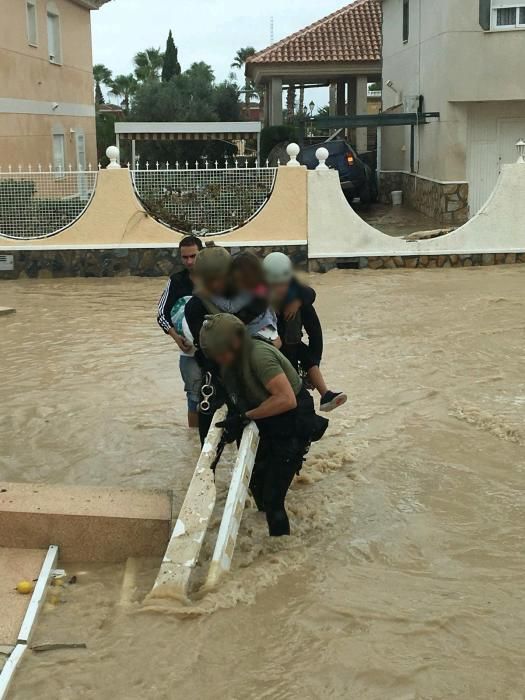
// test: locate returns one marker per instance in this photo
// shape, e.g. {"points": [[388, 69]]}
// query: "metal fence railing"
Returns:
{"points": [[37, 204], [205, 201]]}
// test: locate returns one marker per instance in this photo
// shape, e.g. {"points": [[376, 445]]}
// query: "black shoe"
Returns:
{"points": [[332, 400]]}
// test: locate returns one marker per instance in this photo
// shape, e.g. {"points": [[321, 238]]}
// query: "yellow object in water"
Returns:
{"points": [[25, 587]]}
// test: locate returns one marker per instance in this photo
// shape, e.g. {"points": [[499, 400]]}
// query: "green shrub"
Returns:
{"points": [[273, 135]]}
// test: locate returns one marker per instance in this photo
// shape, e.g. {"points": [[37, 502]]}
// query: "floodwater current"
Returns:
{"points": [[404, 576]]}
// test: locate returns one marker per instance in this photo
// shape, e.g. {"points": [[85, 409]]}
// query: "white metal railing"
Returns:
{"points": [[205, 200], [37, 203], [211, 199]]}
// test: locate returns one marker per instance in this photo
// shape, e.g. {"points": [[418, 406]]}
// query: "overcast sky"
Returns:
{"points": [[204, 30]]}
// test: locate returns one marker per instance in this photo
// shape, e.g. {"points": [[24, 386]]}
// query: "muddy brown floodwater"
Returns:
{"points": [[404, 578]]}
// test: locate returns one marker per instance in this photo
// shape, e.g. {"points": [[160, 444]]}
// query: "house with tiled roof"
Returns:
{"points": [[47, 109], [342, 50], [463, 59]]}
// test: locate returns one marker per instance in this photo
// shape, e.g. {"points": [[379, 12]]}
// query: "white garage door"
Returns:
{"points": [[487, 155]]}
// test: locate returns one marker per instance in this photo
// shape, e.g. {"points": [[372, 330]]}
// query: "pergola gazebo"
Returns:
{"points": [[342, 51]]}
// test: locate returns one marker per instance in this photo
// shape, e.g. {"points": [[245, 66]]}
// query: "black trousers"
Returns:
{"points": [[301, 356], [276, 463]]}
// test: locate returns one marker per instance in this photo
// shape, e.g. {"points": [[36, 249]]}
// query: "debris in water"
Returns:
{"points": [[25, 587], [55, 647]]}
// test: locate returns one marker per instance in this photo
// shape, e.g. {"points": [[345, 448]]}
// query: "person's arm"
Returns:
{"points": [[166, 301], [252, 310], [302, 295], [281, 400], [307, 295], [195, 313], [314, 331], [171, 293]]}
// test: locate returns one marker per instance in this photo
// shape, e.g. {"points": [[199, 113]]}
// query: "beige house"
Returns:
{"points": [[464, 59], [47, 112]]}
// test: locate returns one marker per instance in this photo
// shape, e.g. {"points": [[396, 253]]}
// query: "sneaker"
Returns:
{"points": [[332, 400]]}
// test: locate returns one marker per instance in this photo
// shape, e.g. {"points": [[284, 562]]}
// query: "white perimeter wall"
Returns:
{"points": [[336, 231]]}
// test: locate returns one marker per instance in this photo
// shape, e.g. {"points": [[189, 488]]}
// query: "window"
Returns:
{"points": [[508, 15], [59, 153], [406, 20], [53, 34], [32, 23]]}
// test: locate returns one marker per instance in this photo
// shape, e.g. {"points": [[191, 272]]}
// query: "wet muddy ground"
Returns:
{"points": [[404, 576]]}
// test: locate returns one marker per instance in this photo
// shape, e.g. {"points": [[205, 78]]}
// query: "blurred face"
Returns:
{"points": [[279, 291], [216, 286], [228, 358], [188, 255], [239, 280]]}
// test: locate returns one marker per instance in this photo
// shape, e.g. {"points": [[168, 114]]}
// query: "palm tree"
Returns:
{"points": [[124, 86], [290, 103], [148, 64], [101, 75], [242, 56], [301, 100], [239, 62]]}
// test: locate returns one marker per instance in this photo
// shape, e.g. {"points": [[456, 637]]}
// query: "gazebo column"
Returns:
{"points": [[358, 104], [332, 104], [263, 103], [341, 98], [275, 102]]}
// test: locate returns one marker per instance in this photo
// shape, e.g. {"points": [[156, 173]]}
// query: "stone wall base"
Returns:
{"points": [[416, 261], [447, 204], [161, 262], [147, 262]]}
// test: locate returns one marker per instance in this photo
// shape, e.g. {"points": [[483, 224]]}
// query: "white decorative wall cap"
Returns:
{"points": [[113, 154], [322, 156], [293, 151]]}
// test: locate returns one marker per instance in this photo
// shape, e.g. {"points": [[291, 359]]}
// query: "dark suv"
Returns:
{"points": [[357, 178]]}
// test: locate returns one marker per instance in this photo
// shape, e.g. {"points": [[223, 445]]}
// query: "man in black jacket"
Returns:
{"points": [[180, 286]]}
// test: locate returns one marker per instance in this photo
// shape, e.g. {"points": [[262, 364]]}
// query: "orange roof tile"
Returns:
{"points": [[352, 33]]}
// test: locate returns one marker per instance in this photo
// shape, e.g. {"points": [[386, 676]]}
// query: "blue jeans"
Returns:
{"points": [[192, 377]]}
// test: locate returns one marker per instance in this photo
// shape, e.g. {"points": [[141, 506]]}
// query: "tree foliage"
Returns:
{"points": [[105, 124], [148, 64], [191, 96], [239, 62], [170, 65], [101, 76], [272, 136], [124, 86], [242, 56]]}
